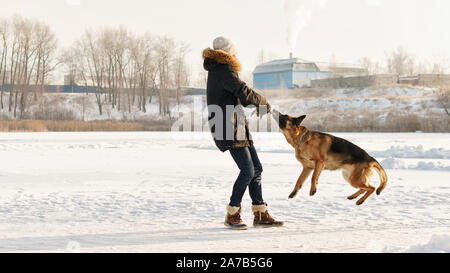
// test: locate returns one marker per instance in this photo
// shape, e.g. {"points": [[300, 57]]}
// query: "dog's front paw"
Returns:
{"points": [[312, 192], [293, 194]]}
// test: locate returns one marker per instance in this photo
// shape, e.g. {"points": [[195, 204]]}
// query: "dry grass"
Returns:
{"points": [[81, 126], [336, 122]]}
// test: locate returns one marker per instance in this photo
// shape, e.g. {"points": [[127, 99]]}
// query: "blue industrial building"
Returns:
{"points": [[287, 74], [298, 73]]}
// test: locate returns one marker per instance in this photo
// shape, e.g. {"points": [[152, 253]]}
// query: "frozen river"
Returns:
{"points": [[164, 192]]}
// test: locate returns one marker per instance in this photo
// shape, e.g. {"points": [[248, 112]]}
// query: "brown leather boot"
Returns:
{"points": [[263, 218], [233, 219]]}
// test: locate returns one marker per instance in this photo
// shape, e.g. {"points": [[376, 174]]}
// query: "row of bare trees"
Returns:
{"points": [[127, 70], [402, 62], [27, 57]]}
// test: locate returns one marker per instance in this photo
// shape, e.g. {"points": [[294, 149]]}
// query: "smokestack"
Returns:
{"points": [[291, 55]]}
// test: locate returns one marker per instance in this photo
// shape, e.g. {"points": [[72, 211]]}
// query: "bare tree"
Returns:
{"points": [[441, 66], [46, 44], [23, 29], [181, 71], [261, 57], [115, 43], [71, 64], [142, 52], [26, 60], [399, 62], [202, 78], [126, 69], [165, 53], [94, 60], [443, 95], [264, 56], [373, 67], [4, 36]]}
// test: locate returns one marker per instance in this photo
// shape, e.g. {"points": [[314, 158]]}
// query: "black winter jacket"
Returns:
{"points": [[226, 90]]}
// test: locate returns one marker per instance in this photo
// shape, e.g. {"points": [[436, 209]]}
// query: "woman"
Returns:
{"points": [[226, 94]]}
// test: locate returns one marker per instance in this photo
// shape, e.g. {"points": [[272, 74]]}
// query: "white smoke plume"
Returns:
{"points": [[298, 14]]}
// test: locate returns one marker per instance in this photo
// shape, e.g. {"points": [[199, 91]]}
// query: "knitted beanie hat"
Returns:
{"points": [[225, 44]]}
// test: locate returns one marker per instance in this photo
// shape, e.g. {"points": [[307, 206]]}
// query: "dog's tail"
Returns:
{"points": [[382, 174]]}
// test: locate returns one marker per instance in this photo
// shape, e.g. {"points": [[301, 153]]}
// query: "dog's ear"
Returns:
{"points": [[299, 120]]}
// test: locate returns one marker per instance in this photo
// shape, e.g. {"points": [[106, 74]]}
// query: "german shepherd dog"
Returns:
{"points": [[317, 151]]}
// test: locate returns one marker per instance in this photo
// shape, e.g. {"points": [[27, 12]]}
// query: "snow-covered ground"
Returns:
{"points": [[166, 192]]}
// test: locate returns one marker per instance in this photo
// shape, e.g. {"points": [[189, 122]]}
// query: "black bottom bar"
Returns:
{"points": [[184, 262]]}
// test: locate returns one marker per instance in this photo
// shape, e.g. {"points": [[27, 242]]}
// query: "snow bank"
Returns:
{"points": [[437, 243], [392, 164], [413, 152], [398, 164], [393, 152], [393, 157]]}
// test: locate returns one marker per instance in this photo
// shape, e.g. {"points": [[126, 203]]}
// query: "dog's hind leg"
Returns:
{"points": [[369, 190], [315, 178], [346, 173], [302, 178], [360, 178], [356, 194]]}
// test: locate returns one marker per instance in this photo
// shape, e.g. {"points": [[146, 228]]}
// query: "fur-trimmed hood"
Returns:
{"points": [[221, 57]]}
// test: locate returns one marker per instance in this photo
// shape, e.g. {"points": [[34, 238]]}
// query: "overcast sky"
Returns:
{"points": [[347, 29]]}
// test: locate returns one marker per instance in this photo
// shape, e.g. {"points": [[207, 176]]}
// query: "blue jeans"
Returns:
{"points": [[251, 169]]}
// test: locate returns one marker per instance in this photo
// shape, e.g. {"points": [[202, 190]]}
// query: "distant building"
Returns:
{"points": [[409, 80], [298, 73], [355, 81], [434, 80], [286, 74], [428, 80]]}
